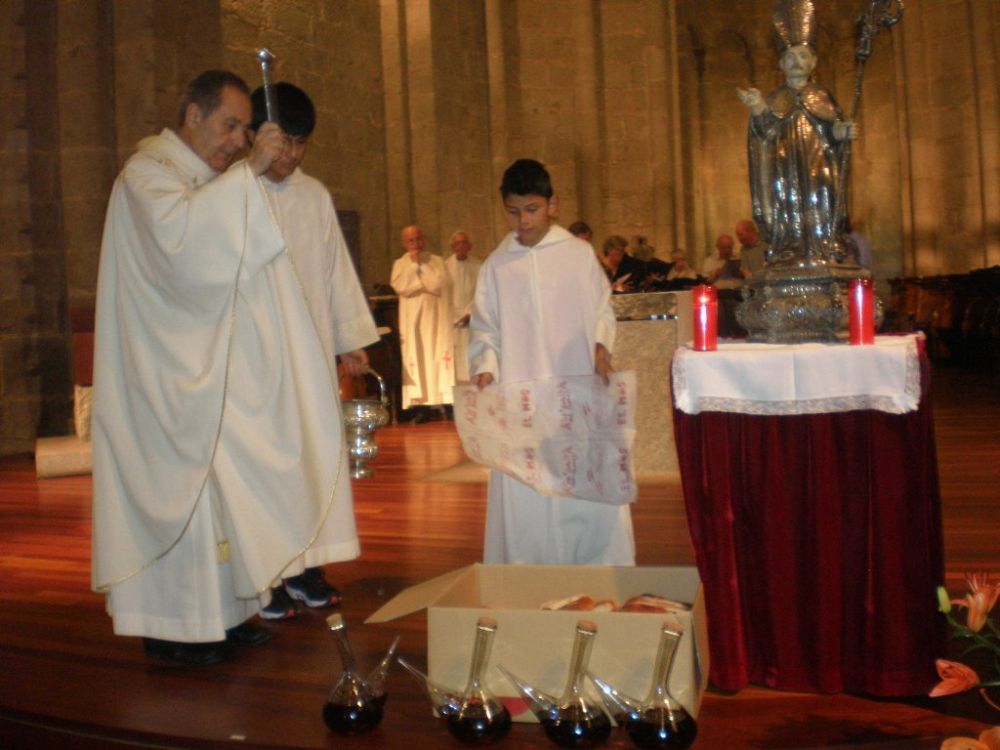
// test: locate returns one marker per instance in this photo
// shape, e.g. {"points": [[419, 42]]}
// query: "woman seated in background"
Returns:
{"points": [[624, 272]]}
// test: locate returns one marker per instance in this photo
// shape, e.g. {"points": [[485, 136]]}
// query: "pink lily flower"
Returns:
{"points": [[991, 738], [988, 740], [955, 678], [963, 743], [982, 596]]}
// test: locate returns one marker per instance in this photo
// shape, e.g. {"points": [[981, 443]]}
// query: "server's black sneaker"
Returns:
{"points": [[281, 606], [311, 588]]}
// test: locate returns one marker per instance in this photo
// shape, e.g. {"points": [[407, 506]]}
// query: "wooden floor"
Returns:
{"points": [[66, 682]]}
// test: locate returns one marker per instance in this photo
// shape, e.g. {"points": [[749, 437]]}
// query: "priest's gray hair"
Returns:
{"points": [[206, 91]]}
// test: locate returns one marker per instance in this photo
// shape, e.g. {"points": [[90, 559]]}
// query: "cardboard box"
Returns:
{"points": [[535, 644]]}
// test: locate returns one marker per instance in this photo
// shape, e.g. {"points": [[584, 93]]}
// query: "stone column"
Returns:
{"points": [[399, 187], [589, 156]]}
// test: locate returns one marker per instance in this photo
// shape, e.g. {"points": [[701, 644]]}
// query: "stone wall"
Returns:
{"points": [[18, 397], [333, 51], [423, 103]]}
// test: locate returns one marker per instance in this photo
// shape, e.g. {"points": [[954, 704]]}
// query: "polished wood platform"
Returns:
{"points": [[66, 682]]}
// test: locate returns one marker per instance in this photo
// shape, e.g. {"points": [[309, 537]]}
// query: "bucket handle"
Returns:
{"points": [[381, 385]]}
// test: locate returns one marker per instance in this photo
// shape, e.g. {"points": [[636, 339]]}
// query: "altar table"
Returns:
{"points": [[810, 479]]}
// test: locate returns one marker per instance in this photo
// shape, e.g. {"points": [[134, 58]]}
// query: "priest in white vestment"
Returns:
{"points": [[463, 270], [425, 323], [304, 212], [542, 309], [215, 439]]}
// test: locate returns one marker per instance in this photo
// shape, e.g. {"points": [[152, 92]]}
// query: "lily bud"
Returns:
{"points": [[944, 603]]}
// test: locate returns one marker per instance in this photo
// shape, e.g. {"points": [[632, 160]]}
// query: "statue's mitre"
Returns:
{"points": [[794, 23]]}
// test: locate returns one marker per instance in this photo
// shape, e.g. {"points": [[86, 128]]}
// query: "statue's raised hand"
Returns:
{"points": [[752, 99]]}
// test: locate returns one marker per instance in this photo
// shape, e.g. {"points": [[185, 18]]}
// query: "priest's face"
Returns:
{"points": [[412, 239], [291, 156], [460, 245], [529, 216], [220, 135]]}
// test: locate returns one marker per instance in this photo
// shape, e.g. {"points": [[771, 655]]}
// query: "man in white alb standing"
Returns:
{"points": [[425, 327], [463, 269]]}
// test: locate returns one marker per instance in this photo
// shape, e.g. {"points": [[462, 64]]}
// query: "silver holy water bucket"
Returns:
{"points": [[361, 418]]}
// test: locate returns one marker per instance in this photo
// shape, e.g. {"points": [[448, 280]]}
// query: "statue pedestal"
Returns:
{"points": [[795, 303]]}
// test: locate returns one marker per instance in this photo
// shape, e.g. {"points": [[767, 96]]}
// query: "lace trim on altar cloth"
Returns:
{"points": [[899, 403]]}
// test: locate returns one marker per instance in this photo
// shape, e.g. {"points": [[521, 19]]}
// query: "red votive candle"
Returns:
{"points": [[706, 317], [861, 309]]}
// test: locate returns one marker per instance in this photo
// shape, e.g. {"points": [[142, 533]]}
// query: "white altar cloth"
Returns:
{"points": [[773, 379]]}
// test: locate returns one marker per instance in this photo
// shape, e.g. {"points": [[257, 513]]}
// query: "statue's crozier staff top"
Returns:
{"points": [[794, 24]]}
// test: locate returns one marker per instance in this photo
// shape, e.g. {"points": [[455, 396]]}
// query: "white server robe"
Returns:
{"points": [[213, 418], [315, 241], [308, 222], [538, 313], [463, 274], [425, 329]]}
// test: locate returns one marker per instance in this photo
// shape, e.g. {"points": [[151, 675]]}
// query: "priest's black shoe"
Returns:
{"points": [[186, 654], [247, 634]]}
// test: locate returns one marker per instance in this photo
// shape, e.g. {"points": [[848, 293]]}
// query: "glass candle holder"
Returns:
{"points": [[861, 311], [705, 299]]}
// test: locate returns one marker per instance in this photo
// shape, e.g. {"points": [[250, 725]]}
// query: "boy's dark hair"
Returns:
{"points": [[526, 177], [296, 114], [206, 91]]}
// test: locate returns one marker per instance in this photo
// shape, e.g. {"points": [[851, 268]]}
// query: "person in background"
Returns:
{"points": [[308, 222], [654, 270], [640, 249], [726, 272], [463, 269], [582, 230], [858, 248], [751, 250], [723, 268], [543, 309], [425, 327], [680, 270], [624, 272]]}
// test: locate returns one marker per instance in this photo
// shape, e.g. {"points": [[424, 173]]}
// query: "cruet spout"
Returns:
{"points": [[444, 702], [622, 707], [542, 705], [376, 678]]}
